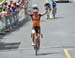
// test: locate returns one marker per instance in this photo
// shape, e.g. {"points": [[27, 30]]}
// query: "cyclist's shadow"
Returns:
{"points": [[59, 17], [43, 54]]}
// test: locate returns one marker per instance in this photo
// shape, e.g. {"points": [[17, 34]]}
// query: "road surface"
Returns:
{"points": [[58, 41]]}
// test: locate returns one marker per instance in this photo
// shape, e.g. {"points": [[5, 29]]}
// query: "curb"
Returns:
{"points": [[62, 1]]}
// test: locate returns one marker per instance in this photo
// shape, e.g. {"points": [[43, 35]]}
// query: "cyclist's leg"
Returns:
{"points": [[53, 12], [33, 35], [49, 12]]}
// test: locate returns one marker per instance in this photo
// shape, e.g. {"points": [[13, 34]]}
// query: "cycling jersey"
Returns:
{"points": [[35, 19]]}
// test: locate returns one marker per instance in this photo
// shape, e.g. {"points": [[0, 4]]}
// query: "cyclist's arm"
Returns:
{"points": [[44, 13], [28, 13]]}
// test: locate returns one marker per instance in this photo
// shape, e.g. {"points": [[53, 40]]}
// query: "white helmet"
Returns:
{"points": [[35, 5]]}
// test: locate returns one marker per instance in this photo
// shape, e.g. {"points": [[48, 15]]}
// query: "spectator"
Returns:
{"points": [[11, 13], [5, 5], [17, 12], [12, 4], [12, 7], [9, 23]]}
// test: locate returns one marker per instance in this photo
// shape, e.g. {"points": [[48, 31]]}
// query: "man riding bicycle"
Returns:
{"points": [[54, 8], [36, 22]]}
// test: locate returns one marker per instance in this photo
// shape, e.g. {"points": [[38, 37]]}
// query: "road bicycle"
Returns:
{"points": [[37, 42]]}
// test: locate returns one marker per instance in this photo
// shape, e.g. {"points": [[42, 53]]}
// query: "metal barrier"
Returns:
{"points": [[9, 22], [2, 24]]}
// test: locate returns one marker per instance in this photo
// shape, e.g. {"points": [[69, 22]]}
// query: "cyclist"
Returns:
{"points": [[36, 22], [49, 9], [54, 8]]}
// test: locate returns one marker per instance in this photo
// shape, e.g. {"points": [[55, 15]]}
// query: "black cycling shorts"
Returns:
{"points": [[37, 29]]}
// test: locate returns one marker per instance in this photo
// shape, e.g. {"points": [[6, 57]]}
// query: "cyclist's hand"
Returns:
{"points": [[46, 8]]}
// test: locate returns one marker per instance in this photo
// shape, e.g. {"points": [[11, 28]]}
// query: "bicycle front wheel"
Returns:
{"points": [[36, 51]]}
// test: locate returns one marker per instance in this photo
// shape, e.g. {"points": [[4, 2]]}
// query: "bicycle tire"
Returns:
{"points": [[36, 51], [36, 47]]}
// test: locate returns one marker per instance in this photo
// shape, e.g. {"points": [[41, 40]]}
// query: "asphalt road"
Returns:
{"points": [[58, 41]]}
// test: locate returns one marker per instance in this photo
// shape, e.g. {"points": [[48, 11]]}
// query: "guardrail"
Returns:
{"points": [[9, 22]]}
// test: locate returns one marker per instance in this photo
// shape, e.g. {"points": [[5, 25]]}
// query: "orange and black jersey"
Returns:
{"points": [[36, 19]]}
